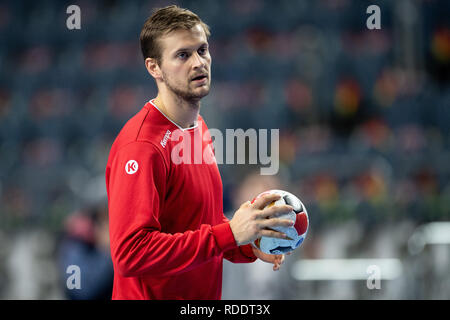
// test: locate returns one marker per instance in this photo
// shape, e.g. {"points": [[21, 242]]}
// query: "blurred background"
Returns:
{"points": [[364, 120]]}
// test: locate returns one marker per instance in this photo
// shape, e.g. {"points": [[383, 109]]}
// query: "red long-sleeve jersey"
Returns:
{"points": [[168, 232]]}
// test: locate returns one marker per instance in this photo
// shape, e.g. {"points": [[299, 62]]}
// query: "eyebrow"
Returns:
{"points": [[204, 44]]}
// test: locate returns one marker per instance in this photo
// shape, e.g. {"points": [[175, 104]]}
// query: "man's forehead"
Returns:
{"points": [[184, 37]]}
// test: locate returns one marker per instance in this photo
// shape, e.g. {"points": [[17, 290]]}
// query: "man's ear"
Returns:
{"points": [[153, 68]]}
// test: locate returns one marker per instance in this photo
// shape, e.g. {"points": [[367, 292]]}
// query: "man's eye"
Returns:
{"points": [[182, 55], [202, 51]]}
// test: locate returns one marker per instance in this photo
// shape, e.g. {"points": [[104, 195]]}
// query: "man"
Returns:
{"points": [[167, 228]]}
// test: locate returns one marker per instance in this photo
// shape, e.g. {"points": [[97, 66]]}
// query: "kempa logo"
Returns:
{"points": [[131, 167], [166, 137]]}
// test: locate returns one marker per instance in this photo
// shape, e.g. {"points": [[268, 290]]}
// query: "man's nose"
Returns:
{"points": [[199, 61]]}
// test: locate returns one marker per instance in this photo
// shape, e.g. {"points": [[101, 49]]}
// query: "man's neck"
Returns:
{"points": [[182, 112]]}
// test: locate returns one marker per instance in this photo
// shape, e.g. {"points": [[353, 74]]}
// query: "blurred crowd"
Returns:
{"points": [[363, 114]]}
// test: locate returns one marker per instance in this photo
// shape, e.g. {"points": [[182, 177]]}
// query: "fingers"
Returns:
{"points": [[279, 260], [275, 211], [246, 204], [264, 200], [272, 234], [275, 222]]}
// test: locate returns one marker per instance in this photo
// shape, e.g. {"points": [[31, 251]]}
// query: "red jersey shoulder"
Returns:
{"points": [[137, 158], [146, 126], [151, 126]]}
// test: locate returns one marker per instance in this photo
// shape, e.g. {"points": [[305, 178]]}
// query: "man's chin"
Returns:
{"points": [[193, 95], [200, 93]]}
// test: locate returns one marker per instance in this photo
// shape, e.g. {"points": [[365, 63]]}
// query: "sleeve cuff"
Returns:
{"points": [[224, 236], [248, 251]]}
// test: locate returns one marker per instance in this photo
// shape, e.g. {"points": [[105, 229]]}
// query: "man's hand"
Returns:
{"points": [[253, 220], [276, 259]]}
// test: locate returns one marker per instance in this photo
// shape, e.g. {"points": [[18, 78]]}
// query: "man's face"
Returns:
{"points": [[186, 63]]}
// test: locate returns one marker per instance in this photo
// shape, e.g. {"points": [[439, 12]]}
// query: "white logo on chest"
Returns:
{"points": [[166, 137]]}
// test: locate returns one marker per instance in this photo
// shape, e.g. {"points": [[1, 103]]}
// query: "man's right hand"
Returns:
{"points": [[253, 220]]}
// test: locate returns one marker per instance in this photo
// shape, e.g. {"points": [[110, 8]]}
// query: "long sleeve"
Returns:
{"points": [[136, 184], [240, 254]]}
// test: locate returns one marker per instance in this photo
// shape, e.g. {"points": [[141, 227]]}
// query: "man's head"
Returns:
{"points": [[174, 43]]}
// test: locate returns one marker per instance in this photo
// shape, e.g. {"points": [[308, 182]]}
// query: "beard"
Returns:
{"points": [[185, 92]]}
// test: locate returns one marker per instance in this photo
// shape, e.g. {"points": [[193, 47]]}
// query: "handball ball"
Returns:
{"points": [[297, 232]]}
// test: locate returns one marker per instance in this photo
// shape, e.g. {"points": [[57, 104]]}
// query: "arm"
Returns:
{"points": [[138, 247], [240, 254]]}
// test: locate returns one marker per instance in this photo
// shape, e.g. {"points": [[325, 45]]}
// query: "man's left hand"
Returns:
{"points": [[276, 259]]}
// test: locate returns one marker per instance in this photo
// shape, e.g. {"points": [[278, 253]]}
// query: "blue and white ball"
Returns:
{"points": [[297, 232]]}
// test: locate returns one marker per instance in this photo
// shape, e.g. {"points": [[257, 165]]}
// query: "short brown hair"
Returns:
{"points": [[164, 21]]}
